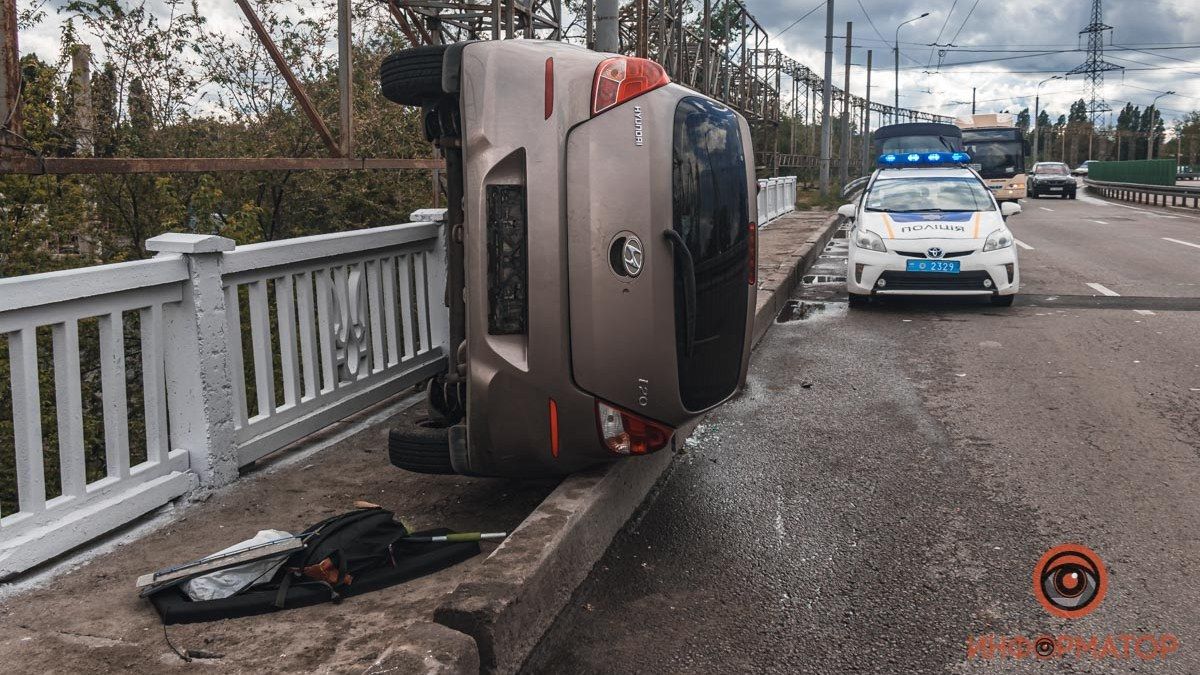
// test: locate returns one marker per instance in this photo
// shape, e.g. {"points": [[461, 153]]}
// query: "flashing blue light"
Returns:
{"points": [[925, 159]]}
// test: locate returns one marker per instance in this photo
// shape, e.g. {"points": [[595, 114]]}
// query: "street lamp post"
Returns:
{"points": [[896, 55], [1037, 101], [1154, 123]]}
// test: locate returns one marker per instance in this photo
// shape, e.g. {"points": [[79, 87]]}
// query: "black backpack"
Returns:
{"points": [[338, 549], [348, 554]]}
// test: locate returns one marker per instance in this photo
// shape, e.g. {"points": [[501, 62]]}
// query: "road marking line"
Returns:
{"points": [[1185, 243], [1104, 291], [1046, 209], [1097, 221], [1022, 244]]}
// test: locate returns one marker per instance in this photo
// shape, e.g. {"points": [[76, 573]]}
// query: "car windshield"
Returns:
{"points": [[1051, 170], [905, 195], [996, 158]]}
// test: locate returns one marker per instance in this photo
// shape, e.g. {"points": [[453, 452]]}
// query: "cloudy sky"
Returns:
{"points": [[1026, 29], [1157, 41]]}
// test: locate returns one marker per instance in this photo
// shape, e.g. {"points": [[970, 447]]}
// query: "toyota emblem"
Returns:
{"points": [[935, 253], [632, 256]]}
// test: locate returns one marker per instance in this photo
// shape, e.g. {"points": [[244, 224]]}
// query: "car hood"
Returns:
{"points": [[952, 225]]}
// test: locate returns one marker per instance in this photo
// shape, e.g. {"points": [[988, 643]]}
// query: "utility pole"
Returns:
{"points": [[866, 131], [10, 76], [972, 100], [896, 59], [606, 26], [1037, 104], [844, 168], [1095, 66], [827, 102], [1154, 124]]}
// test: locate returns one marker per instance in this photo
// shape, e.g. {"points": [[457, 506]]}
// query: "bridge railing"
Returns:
{"points": [[204, 358], [1164, 195], [776, 196]]}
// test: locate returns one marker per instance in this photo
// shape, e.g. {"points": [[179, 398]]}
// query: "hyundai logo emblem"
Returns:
{"points": [[632, 256], [935, 252]]}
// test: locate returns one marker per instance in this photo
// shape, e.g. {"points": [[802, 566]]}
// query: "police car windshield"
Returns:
{"points": [[907, 195]]}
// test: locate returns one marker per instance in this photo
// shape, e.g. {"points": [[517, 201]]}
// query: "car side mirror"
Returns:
{"points": [[848, 211], [1009, 209]]}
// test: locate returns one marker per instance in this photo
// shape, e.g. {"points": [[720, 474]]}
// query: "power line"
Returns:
{"points": [[803, 17], [964, 23], [941, 30], [869, 21]]}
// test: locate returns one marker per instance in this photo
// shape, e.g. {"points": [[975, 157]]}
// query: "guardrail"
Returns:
{"points": [[156, 349], [776, 196], [1147, 194]]}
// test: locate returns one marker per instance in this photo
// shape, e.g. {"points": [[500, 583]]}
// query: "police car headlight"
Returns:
{"points": [[998, 240], [868, 240]]}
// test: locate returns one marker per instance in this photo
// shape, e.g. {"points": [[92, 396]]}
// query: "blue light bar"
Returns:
{"points": [[924, 159]]}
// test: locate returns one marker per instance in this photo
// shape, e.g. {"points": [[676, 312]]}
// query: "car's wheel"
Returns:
{"points": [[1071, 196], [413, 76], [1003, 300], [858, 301], [421, 446], [1033, 194]]}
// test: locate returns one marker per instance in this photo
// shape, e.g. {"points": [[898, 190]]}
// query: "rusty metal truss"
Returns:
{"points": [[713, 46]]}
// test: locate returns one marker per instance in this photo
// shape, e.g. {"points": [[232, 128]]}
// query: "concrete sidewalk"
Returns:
{"points": [[89, 619]]}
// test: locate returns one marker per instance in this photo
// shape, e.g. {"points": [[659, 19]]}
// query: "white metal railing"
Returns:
{"points": [[339, 321], [776, 196]]}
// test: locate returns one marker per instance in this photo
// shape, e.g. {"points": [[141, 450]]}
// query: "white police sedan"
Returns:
{"points": [[927, 225]]}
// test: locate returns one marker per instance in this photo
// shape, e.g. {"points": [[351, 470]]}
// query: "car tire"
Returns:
{"points": [[858, 301], [1071, 196], [1003, 300], [421, 446], [1033, 194], [413, 76]]}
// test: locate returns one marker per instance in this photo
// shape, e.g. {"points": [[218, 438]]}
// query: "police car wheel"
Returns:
{"points": [[858, 301], [1003, 300]]}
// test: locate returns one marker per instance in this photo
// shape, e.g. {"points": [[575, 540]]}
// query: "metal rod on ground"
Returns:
{"points": [[827, 101], [458, 537], [844, 151]]}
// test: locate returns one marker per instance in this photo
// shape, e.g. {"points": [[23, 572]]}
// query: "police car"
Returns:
{"points": [[927, 225]]}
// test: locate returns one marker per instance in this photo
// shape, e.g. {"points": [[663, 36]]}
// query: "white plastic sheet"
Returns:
{"points": [[227, 582]]}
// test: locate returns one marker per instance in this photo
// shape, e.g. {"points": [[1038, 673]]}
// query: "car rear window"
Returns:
{"points": [[711, 212]]}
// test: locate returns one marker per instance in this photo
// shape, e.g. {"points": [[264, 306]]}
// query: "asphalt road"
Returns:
{"points": [[886, 484]]}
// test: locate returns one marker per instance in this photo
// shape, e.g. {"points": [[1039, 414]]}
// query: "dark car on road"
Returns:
{"points": [[1051, 179]]}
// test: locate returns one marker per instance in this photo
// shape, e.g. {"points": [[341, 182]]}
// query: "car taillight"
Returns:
{"points": [[752, 276], [623, 77], [628, 434]]}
